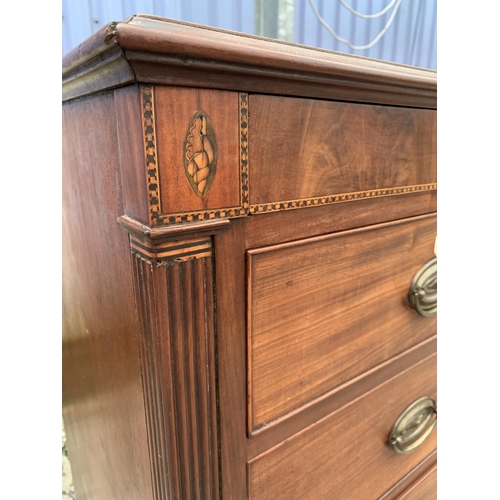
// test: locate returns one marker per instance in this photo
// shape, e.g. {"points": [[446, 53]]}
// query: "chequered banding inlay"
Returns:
{"points": [[244, 150], [338, 198], [232, 212], [153, 178], [171, 251], [157, 218]]}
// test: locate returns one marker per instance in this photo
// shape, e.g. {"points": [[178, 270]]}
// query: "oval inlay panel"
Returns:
{"points": [[200, 157]]}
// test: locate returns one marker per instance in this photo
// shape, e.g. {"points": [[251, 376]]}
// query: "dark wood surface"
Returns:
{"points": [[281, 227], [174, 163], [293, 422], [305, 148], [157, 50], [231, 335], [175, 297], [175, 108], [423, 489], [108, 69], [103, 40], [324, 310], [345, 455], [103, 406], [132, 155], [174, 232], [218, 342], [410, 479], [179, 372]]}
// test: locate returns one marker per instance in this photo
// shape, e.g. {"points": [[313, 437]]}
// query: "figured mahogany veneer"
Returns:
{"points": [[103, 406], [326, 309], [345, 455], [174, 111], [304, 148], [242, 220]]}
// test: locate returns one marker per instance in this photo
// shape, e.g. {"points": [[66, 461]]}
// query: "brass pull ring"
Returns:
{"points": [[423, 290], [413, 426]]}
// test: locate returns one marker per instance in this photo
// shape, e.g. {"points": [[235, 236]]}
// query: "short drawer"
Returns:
{"points": [[346, 455], [305, 149], [323, 310]]}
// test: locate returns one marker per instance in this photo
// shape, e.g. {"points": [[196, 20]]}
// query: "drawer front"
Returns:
{"points": [[210, 154], [324, 310], [304, 149], [346, 455], [423, 489]]}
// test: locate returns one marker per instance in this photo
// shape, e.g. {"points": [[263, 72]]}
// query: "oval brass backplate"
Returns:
{"points": [[423, 290], [413, 426]]}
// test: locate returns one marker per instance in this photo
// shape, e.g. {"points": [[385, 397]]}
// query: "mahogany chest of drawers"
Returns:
{"points": [[249, 269]]}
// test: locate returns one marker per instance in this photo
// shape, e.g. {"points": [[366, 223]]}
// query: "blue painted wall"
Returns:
{"points": [[411, 39]]}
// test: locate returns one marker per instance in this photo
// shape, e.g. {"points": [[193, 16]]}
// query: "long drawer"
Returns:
{"points": [[425, 488], [324, 310], [346, 455]]}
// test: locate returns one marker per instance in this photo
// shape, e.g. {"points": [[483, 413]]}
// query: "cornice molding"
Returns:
{"points": [[144, 46]]}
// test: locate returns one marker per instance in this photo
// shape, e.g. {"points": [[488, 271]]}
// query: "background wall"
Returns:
{"points": [[411, 38]]}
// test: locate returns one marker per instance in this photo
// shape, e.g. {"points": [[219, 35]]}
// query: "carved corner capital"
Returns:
{"points": [[166, 245]]}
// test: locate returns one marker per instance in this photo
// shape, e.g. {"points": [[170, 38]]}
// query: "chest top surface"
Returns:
{"points": [[150, 49]]}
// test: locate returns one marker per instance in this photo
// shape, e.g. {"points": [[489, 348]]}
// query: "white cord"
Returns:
{"points": [[368, 16], [343, 40]]}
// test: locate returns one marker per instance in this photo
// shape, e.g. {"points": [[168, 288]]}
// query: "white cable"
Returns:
{"points": [[343, 40], [368, 16]]}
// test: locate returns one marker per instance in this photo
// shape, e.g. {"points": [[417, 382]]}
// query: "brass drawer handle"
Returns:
{"points": [[413, 426], [423, 290]]}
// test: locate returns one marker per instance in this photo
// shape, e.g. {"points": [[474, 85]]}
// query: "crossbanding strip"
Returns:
{"points": [[173, 251], [338, 198]]}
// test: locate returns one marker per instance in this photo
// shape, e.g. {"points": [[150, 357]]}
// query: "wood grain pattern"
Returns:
{"points": [[303, 148], [423, 489], [323, 310], [174, 111], [129, 124], [176, 306], [339, 198], [281, 227], [282, 429], [163, 465], [263, 357], [159, 50], [103, 406], [162, 234], [231, 331], [408, 480], [101, 41], [107, 70], [345, 455]]}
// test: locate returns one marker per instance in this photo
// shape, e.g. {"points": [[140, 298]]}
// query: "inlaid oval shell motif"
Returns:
{"points": [[200, 153]]}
